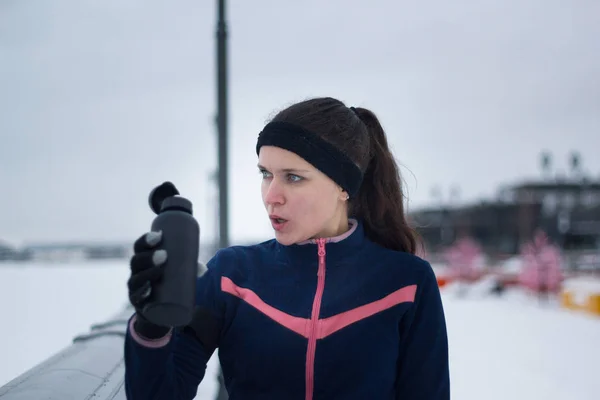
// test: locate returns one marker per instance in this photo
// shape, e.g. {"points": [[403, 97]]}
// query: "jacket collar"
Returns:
{"points": [[337, 247]]}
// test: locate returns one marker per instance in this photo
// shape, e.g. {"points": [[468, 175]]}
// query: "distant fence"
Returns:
{"points": [[76, 252]]}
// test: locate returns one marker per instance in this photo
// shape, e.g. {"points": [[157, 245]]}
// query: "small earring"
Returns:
{"points": [[347, 197]]}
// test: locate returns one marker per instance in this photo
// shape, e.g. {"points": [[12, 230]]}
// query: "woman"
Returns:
{"points": [[337, 306]]}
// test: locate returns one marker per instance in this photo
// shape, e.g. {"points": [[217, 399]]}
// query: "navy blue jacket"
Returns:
{"points": [[324, 320]]}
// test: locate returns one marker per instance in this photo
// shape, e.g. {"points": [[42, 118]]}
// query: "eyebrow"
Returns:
{"points": [[285, 169]]}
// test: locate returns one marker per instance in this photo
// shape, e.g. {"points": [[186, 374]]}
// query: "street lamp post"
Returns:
{"points": [[222, 116]]}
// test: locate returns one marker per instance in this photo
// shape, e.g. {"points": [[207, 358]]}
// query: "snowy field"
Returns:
{"points": [[501, 348]]}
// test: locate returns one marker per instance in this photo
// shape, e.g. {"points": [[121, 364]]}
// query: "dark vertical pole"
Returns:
{"points": [[222, 124], [222, 132]]}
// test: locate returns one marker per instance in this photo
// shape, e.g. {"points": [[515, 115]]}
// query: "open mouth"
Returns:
{"points": [[278, 223]]}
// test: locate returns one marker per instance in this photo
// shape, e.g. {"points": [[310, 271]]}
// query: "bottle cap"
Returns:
{"points": [[159, 194], [177, 203]]}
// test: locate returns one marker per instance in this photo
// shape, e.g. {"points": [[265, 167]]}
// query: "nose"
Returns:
{"points": [[273, 193]]}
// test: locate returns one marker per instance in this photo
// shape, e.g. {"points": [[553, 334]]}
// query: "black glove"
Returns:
{"points": [[146, 270]]}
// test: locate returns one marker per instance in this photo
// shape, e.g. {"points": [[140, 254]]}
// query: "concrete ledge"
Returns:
{"points": [[90, 368]]}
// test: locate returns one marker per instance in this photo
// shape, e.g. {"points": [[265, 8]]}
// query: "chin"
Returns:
{"points": [[284, 239], [289, 238]]}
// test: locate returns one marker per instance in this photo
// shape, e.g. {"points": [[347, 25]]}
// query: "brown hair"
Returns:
{"points": [[359, 135]]}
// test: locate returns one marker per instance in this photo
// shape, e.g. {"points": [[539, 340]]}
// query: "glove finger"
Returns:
{"points": [[138, 280], [139, 296], [148, 259], [148, 241]]}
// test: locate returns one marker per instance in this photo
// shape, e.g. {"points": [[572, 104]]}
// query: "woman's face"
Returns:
{"points": [[301, 201]]}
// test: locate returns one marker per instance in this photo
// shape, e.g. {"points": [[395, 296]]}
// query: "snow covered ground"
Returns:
{"points": [[511, 347]]}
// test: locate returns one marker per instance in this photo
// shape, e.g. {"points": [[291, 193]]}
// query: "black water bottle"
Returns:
{"points": [[173, 297]]}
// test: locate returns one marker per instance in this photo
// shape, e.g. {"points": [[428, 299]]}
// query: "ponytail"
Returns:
{"points": [[379, 202]]}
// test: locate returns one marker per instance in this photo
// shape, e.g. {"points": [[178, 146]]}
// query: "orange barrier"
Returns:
{"points": [[442, 281], [581, 299]]}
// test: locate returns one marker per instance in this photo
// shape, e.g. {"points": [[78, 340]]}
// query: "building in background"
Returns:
{"points": [[568, 211], [565, 206]]}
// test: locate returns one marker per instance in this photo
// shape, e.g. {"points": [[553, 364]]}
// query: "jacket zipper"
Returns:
{"points": [[314, 319]]}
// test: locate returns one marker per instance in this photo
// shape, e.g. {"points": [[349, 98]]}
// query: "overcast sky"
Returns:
{"points": [[102, 100]]}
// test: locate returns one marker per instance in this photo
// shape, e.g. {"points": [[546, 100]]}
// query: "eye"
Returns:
{"points": [[294, 178], [265, 174]]}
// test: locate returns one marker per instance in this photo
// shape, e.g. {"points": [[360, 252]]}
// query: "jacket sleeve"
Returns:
{"points": [[423, 367], [172, 367]]}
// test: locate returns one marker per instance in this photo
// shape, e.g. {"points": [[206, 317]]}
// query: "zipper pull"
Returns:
{"points": [[321, 253], [321, 247]]}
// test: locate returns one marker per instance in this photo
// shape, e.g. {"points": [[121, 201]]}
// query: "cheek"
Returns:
{"points": [[313, 206]]}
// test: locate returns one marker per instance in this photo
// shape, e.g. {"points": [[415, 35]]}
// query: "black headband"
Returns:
{"points": [[318, 152]]}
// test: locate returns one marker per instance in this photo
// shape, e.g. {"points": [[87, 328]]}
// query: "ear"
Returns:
{"points": [[344, 196]]}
